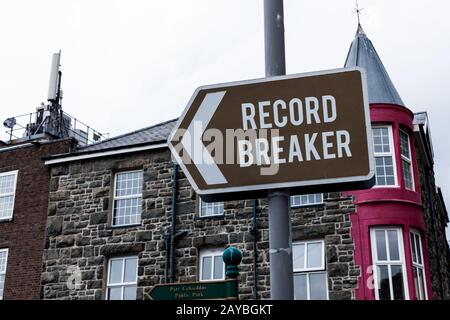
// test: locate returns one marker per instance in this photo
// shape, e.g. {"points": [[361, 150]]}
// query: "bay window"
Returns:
{"points": [[383, 146], [310, 276], [389, 264]]}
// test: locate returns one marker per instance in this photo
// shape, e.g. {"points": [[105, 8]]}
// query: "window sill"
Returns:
{"points": [[386, 186], [6, 219], [125, 226], [307, 205], [217, 217]]}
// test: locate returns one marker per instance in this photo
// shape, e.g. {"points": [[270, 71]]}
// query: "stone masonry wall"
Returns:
{"points": [[435, 222], [80, 236]]}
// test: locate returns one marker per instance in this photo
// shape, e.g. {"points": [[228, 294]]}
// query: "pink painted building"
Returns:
{"points": [[391, 226]]}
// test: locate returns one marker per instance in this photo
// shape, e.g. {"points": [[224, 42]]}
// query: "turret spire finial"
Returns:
{"points": [[358, 12]]}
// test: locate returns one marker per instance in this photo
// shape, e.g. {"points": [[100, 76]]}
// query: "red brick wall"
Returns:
{"points": [[24, 235]]}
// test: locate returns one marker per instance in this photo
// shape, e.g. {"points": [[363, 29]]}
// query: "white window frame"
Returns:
{"points": [[4, 272], [210, 253], [308, 271], [404, 158], [2, 174], [307, 204], [387, 154], [416, 264], [200, 208], [122, 284], [389, 262], [124, 198]]}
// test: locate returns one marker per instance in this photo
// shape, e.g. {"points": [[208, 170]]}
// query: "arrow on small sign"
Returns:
{"points": [[192, 139]]}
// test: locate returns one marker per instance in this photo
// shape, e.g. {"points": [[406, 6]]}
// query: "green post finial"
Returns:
{"points": [[232, 258]]}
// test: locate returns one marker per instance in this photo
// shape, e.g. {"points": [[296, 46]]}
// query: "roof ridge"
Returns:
{"points": [[127, 134]]}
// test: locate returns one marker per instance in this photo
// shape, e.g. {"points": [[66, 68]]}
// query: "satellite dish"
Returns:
{"points": [[9, 123]]}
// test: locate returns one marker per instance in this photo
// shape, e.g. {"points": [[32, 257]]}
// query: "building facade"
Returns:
{"points": [[105, 209], [24, 190]]}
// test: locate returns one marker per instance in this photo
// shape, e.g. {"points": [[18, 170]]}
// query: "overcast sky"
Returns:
{"points": [[129, 64]]}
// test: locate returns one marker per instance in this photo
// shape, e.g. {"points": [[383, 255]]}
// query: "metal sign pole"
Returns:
{"points": [[280, 242]]}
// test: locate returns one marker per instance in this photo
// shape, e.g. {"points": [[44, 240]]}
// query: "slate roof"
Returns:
{"points": [[363, 54], [153, 134]]}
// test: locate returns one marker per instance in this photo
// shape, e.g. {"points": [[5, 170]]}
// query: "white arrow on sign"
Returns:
{"points": [[192, 139]]}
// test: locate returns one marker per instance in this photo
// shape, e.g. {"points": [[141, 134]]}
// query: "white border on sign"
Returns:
{"points": [[284, 184]]}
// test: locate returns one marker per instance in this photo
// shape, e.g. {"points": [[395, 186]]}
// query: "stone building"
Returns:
{"points": [[123, 218], [88, 230]]}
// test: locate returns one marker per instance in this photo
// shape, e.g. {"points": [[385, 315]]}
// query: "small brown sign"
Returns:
{"points": [[308, 132]]}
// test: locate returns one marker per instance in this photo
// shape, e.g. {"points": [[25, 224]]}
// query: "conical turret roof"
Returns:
{"points": [[363, 54]]}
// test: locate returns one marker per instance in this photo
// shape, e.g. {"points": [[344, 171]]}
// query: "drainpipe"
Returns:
{"points": [[254, 233], [166, 238], [174, 222]]}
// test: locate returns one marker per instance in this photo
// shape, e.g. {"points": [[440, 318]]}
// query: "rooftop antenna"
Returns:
{"points": [[54, 87], [55, 96]]}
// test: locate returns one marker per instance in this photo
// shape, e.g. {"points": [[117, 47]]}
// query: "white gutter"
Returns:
{"points": [[104, 153], [16, 147]]}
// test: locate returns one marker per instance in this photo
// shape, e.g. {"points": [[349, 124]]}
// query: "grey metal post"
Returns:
{"points": [[280, 243]]}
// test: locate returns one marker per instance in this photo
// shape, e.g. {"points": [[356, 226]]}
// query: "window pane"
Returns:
{"points": [[307, 199], [218, 267], [130, 270], [2, 285], [384, 170], [419, 251], [206, 268], [300, 287], [127, 211], [383, 283], [380, 139], [6, 206], [314, 252], [115, 271], [115, 293], [407, 175], [3, 258], [128, 183], [298, 255], [7, 184], [413, 247], [211, 208], [318, 286], [381, 245], [393, 245], [420, 283], [129, 293], [404, 145], [397, 282]]}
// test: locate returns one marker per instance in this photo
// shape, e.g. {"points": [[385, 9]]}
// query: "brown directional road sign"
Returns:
{"points": [[307, 132]]}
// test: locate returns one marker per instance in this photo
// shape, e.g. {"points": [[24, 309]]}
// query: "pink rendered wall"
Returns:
{"points": [[389, 206]]}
